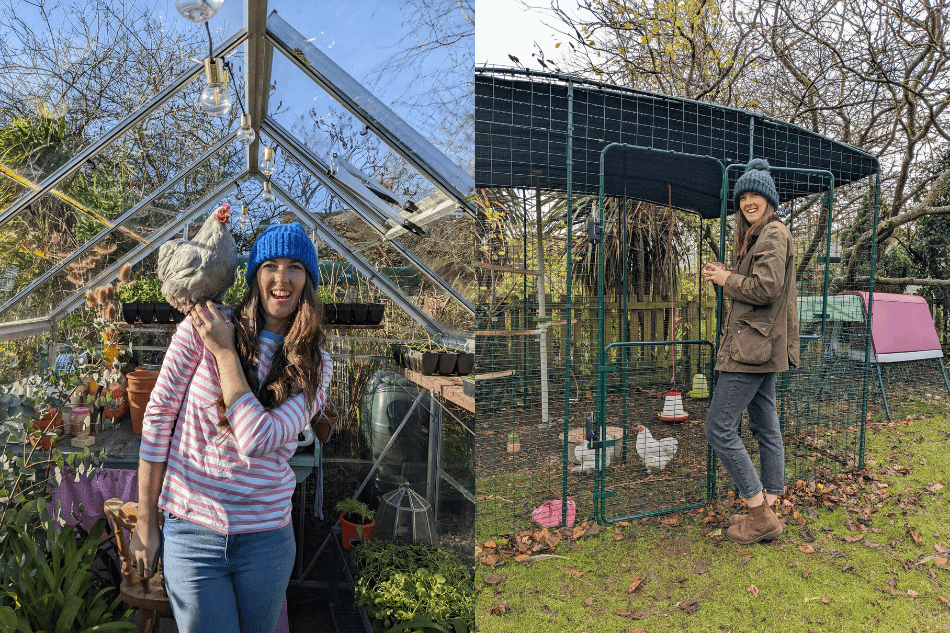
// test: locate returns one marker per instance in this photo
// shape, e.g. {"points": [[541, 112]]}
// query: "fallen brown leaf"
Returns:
{"points": [[500, 608], [635, 585], [670, 521], [806, 549], [753, 590], [688, 605], [913, 534], [854, 538], [490, 545], [940, 560], [574, 572], [617, 536], [520, 557], [627, 613], [825, 599], [912, 593], [589, 602], [494, 579], [490, 559], [942, 599]]}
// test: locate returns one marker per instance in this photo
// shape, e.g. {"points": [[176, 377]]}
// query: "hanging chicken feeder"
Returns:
{"points": [[405, 518], [673, 410], [700, 387]]}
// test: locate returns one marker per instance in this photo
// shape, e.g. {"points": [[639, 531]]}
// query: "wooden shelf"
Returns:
{"points": [[447, 387]]}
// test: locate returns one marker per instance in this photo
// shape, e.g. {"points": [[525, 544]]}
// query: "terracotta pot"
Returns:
{"points": [[138, 400], [116, 412], [141, 379], [52, 420], [325, 423], [355, 530]]}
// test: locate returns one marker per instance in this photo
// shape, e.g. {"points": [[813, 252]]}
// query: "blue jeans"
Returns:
{"points": [[225, 583], [734, 393]]}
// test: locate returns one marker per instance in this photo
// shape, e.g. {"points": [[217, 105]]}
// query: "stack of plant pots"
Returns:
{"points": [[428, 361], [353, 313], [147, 312], [140, 384]]}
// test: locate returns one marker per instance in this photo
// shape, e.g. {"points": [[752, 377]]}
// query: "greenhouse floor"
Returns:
{"points": [[309, 611]]}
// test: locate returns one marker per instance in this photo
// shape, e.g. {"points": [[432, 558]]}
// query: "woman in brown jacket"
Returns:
{"points": [[761, 338]]}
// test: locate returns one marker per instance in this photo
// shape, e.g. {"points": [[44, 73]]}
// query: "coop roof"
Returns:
{"points": [[217, 169], [673, 147], [902, 328]]}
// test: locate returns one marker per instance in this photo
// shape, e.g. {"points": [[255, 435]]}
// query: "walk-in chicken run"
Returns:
{"points": [[596, 333]]}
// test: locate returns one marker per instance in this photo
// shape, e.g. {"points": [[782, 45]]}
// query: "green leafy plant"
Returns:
{"points": [[326, 294], [239, 288], [47, 583], [355, 511], [145, 289], [413, 588]]}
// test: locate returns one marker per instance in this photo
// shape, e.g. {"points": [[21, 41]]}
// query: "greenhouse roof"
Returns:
{"points": [[319, 180]]}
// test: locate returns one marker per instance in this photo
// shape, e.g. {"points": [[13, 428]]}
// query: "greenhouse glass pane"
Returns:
{"points": [[409, 67], [143, 226], [120, 56]]}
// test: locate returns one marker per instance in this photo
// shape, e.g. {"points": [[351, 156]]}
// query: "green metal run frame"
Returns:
{"points": [[602, 443]]}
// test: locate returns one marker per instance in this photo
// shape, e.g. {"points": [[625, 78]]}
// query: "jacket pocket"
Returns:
{"points": [[752, 344]]}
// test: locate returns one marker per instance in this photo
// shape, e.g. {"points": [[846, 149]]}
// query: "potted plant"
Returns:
{"points": [[357, 520], [328, 300], [465, 364]]}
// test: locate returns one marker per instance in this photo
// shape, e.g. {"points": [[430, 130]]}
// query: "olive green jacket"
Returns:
{"points": [[761, 334]]}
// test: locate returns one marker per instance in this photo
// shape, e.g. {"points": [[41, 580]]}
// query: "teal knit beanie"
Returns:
{"points": [[757, 180], [284, 240]]}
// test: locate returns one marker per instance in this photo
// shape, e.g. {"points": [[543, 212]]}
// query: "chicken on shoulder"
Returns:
{"points": [[202, 268]]}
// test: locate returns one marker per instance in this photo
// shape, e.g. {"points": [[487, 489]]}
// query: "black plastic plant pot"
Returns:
{"points": [[130, 312], [359, 313], [447, 362], [177, 315], [344, 313], [329, 313], [465, 364], [163, 313], [146, 312], [374, 313], [398, 351], [423, 362]]}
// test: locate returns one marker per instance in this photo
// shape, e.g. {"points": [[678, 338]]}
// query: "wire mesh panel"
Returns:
{"points": [[563, 279]]}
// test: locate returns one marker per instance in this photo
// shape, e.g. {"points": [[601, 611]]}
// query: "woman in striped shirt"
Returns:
{"points": [[220, 427]]}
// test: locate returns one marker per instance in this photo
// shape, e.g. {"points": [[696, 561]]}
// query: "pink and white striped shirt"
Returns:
{"points": [[231, 483]]}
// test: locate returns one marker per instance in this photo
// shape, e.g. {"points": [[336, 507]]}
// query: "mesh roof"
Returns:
{"points": [[521, 126]]}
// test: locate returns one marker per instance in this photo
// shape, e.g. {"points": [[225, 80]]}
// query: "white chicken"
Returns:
{"points": [[202, 268], [587, 457], [655, 454]]}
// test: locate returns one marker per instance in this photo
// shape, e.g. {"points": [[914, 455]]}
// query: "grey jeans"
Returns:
{"points": [[734, 393]]}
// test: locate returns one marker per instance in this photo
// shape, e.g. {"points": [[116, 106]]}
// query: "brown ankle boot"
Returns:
{"points": [[735, 519], [760, 524]]}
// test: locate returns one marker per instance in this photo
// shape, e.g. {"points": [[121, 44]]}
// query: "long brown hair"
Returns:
{"points": [[297, 363], [742, 238]]}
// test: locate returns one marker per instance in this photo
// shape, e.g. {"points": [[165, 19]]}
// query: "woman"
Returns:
{"points": [[761, 338], [219, 429]]}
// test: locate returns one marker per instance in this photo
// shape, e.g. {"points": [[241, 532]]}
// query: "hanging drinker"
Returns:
{"points": [[700, 387], [673, 410]]}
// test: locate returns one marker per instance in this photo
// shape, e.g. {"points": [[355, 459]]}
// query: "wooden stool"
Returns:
{"points": [[146, 595]]}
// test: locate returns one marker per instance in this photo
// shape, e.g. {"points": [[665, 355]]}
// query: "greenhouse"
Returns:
{"points": [[252, 114]]}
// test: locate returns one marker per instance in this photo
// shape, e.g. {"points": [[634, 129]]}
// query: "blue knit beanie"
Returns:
{"points": [[284, 240], [757, 180]]}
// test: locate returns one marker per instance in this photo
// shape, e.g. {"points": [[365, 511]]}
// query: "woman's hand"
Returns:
{"points": [[716, 273], [144, 549], [216, 331]]}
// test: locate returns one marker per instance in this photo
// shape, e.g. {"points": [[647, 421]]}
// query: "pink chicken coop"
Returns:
{"points": [[902, 330]]}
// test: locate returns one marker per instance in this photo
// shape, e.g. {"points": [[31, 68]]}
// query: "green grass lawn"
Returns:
{"points": [[876, 561]]}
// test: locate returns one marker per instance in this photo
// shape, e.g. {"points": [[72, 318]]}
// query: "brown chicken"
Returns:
{"points": [[202, 268]]}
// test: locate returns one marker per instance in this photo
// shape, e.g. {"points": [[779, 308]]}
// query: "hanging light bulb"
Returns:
{"points": [[245, 133], [198, 10], [215, 99], [268, 195], [266, 165], [245, 220]]}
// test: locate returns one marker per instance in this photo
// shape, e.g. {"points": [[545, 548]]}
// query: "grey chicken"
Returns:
{"points": [[202, 268]]}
